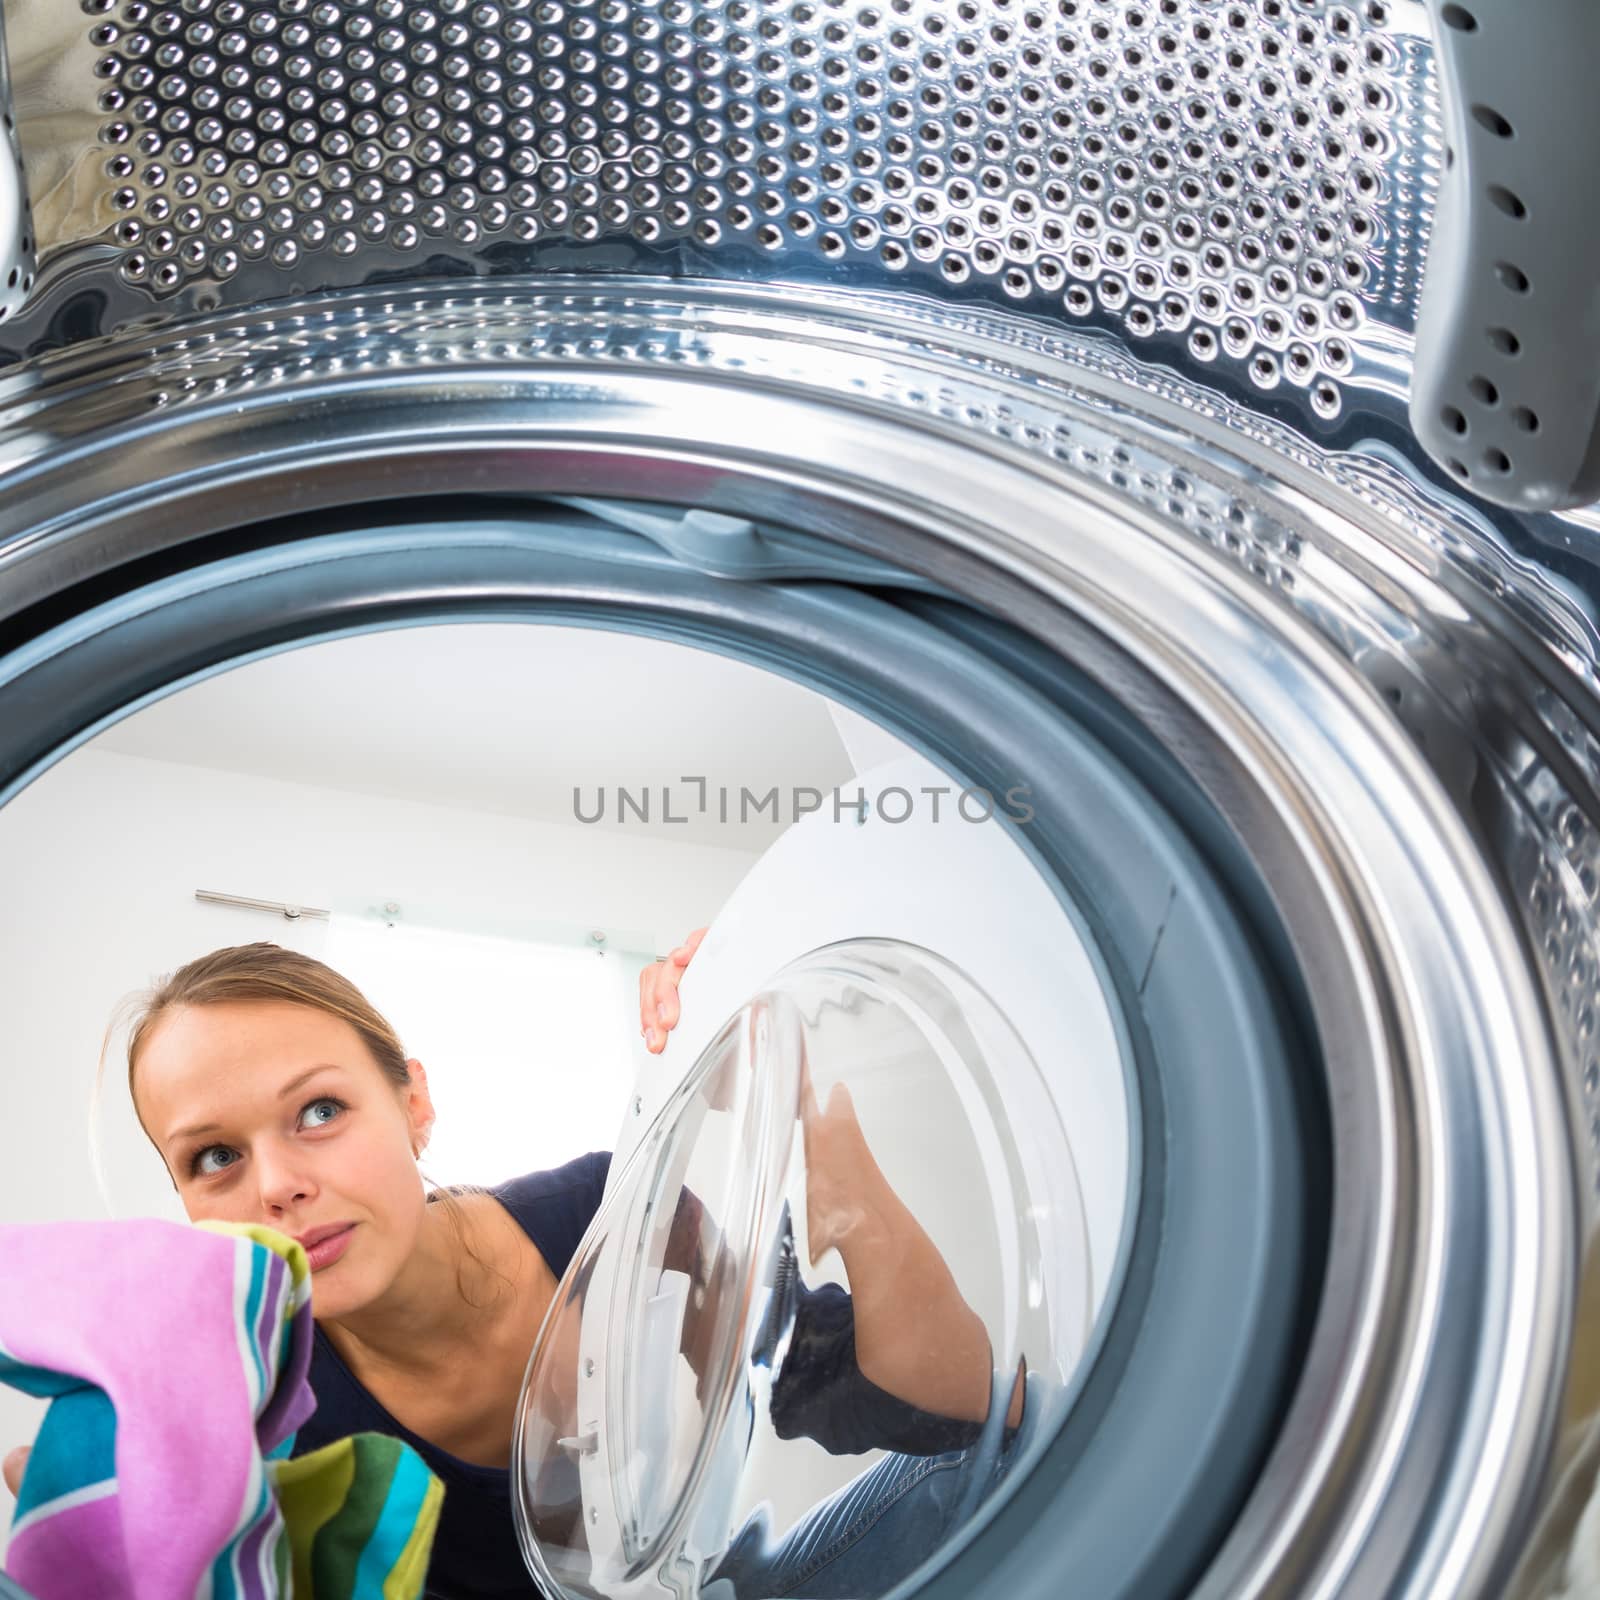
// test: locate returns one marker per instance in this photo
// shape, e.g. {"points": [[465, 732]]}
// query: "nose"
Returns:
{"points": [[283, 1178]]}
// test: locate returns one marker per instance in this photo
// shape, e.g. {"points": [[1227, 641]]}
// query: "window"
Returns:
{"points": [[528, 1046]]}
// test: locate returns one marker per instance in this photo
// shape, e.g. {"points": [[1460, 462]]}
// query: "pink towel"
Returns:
{"points": [[177, 1358]]}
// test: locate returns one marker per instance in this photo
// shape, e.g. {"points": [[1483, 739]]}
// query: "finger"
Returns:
{"points": [[16, 1463], [667, 1008], [668, 1005], [655, 1030], [650, 1028], [660, 1010], [647, 998]]}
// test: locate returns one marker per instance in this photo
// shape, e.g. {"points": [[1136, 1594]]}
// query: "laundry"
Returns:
{"points": [[175, 1359]]}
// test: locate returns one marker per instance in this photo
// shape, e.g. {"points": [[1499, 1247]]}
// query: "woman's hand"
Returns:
{"points": [[658, 993], [16, 1463]]}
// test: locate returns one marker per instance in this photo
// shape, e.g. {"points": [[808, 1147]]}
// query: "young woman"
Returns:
{"points": [[275, 1093]]}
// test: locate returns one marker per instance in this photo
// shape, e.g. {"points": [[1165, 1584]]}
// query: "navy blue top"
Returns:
{"points": [[820, 1393]]}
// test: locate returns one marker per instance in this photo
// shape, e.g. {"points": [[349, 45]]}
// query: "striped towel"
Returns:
{"points": [[175, 1359]]}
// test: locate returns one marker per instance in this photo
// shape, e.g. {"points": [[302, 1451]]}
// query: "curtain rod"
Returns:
{"points": [[596, 938], [290, 911]]}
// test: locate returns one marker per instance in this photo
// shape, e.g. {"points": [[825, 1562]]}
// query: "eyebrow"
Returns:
{"points": [[283, 1094]]}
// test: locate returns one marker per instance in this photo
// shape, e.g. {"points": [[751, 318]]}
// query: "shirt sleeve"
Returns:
{"points": [[596, 1168], [556, 1205], [819, 1391]]}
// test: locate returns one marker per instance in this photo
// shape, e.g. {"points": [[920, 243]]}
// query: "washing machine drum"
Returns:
{"points": [[1170, 1168]]}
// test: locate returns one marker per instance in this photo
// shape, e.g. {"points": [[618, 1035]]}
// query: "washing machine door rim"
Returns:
{"points": [[1231, 1261], [1356, 875]]}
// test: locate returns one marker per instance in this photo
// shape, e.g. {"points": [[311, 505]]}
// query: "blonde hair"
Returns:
{"points": [[266, 971]]}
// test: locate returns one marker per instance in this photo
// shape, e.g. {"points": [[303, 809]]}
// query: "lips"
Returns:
{"points": [[330, 1248], [317, 1235]]}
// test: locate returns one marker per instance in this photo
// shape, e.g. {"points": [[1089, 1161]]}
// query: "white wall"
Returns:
{"points": [[99, 861]]}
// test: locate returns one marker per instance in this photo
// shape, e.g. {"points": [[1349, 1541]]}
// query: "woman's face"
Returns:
{"points": [[271, 1112]]}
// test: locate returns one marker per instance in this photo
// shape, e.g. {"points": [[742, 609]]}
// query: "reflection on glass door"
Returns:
{"points": [[836, 1291]]}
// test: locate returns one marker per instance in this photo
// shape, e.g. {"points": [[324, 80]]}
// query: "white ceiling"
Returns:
{"points": [[510, 718]]}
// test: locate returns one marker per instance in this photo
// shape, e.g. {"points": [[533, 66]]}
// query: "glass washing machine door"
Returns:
{"points": [[691, 1371]]}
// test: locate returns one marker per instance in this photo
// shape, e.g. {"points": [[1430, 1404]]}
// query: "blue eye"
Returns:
{"points": [[325, 1100], [197, 1169]]}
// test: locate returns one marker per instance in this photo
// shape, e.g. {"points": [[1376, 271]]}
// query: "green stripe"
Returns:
{"points": [[311, 1488], [336, 1553], [400, 1513]]}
